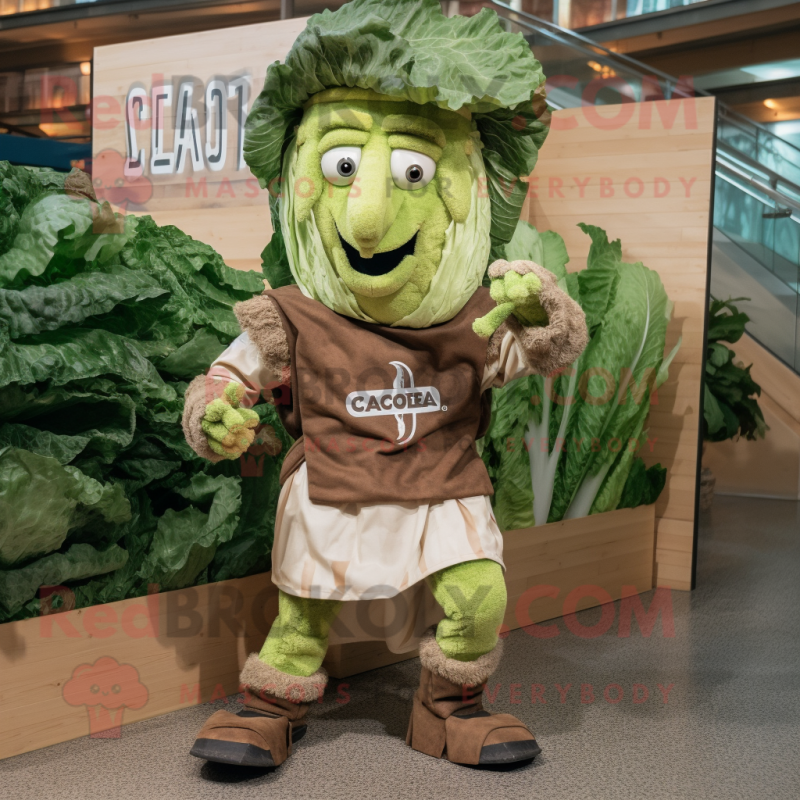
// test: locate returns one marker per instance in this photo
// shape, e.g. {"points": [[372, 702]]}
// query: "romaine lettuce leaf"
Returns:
{"points": [[100, 320], [79, 561], [41, 501], [564, 446]]}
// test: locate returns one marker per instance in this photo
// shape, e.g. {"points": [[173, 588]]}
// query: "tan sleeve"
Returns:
{"points": [[516, 350], [241, 362]]}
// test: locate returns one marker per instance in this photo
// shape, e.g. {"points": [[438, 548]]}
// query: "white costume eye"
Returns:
{"points": [[411, 170], [339, 165]]}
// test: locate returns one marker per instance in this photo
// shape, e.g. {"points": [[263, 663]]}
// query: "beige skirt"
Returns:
{"points": [[377, 556]]}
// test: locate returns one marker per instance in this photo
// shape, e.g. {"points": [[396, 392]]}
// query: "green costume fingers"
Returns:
{"points": [[523, 291], [230, 430], [234, 393], [485, 326], [232, 452], [513, 293], [298, 639], [473, 596]]}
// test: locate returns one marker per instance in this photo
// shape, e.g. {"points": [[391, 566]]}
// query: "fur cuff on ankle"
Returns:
{"points": [[463, 673], [262, 679]]}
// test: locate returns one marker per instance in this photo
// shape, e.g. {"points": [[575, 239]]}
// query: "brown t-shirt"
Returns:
{"points": [[387, 414]]}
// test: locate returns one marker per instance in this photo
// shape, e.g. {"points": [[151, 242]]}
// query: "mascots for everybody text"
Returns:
{"points": [[394, 143]]}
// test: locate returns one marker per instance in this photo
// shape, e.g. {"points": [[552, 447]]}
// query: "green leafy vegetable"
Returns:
{"points": [[409, 49], [102, 319], [565, 446], [79, 561], [41, 501], [185, 541]]}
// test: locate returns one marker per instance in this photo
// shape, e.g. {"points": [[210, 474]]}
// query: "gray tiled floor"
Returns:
{"points": [[730, 728]]}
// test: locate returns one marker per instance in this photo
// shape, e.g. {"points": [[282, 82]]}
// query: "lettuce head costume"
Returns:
{"points": [[394, 143]]}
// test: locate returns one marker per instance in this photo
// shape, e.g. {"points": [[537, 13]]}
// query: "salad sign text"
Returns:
{"points": [[197, 112]]}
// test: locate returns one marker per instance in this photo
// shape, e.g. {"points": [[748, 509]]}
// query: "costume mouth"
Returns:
{"points": [[380, 263]]}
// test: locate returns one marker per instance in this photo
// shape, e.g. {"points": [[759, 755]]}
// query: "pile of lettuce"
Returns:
{"points": [[103, 320], [566, 445]]}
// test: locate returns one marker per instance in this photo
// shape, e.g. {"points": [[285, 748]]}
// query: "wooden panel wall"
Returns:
{"points": [[223, 208], [645, 175], [600, 558], [183, 647]]}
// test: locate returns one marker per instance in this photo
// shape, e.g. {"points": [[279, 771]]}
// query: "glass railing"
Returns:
{"points": [[757, 251], [759, 144], [586, 13], [582, 72], [757, 198]]}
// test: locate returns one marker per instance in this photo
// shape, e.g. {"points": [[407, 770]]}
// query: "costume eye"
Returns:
{"points": [[411, 170], [339, 165]]}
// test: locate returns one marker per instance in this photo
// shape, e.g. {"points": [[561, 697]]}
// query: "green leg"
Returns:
{"points": [[473, 596], [298, 639]]}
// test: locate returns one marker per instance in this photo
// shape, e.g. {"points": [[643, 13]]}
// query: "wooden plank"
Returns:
{"points": [[670, 576], [344, 660], [202, 635], [230, 213], [777, 381], [669, 233], [180, 645], [768, 467]]}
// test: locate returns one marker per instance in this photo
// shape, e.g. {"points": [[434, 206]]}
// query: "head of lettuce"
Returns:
{"points": [[393, 142]]}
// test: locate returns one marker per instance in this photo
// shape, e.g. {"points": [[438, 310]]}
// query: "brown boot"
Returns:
{"points": [[449, 720], [273, 718]]}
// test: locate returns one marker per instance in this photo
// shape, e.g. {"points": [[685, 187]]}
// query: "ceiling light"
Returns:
{"points": [[86, 67], [770, 103]]}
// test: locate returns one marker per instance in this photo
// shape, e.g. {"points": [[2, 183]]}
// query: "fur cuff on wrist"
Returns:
{"points": [[264, 680], [462, 673], [260, 320], [198, 396]]}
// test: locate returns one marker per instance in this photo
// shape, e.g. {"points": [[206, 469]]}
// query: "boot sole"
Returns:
{"points": [[508, 753], [238, 753]]}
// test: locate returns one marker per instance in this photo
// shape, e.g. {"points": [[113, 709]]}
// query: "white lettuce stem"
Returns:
{"points": [[543, 463]]}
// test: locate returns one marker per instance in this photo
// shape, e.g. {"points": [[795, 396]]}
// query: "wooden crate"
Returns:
{"points": [[186, 647]]}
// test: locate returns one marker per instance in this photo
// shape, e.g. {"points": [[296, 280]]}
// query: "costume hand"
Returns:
{"points": [[229, 429], [516, 291]]}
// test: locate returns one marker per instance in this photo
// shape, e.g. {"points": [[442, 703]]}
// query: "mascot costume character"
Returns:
{"points": [[394, 143]]}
